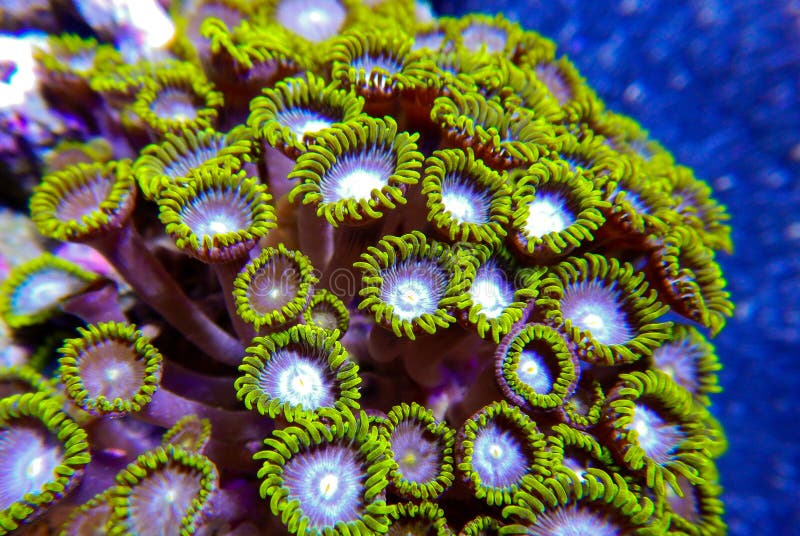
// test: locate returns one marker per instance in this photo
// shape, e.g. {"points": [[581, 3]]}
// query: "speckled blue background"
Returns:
{"points": [[718, 82]]}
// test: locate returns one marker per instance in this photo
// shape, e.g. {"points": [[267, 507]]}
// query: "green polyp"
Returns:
{"points": [[552, 352], [392, 252], [320, 362], [62, 210], [236, 210], [195, 91], [126, 350], [692, 279], [43, 412], [460, 169], [326, 311], [91, 517], [66, 279], [567, 201], [311, 93], [260, 279], [504, 135], [21, 379], [603, 495], [672, 404], [510, 422], [431, 431], [190, 433], [155, 464], [523, 284], [176, 159], [336, 147], [639, 302], [351, 52], [419, 518], [341, 430]]}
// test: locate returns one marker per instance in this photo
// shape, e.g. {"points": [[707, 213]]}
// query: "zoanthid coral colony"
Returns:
{"points": [[343, 267]]}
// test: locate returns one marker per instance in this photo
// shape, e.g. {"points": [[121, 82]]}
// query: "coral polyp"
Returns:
{"points": [[422, 450], [497, 448], [498, 294], [175, 160], [467, 201], [218, 216], [410, 283], [168, 484], [43, 453], [605, 309], [90, 518], [296, 372], [689, 359], [111, 369], [290, 115], [324, 477], [654, 429], [357, 171], [33, 290], [190, 433], [341, 267], [555, 210], [326, 311], [274, 288], [600, 504], [84, 200], [372, 63], [174, 99], [535, 368], [425, 518]]}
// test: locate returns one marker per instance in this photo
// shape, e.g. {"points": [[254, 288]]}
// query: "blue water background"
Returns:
{"points": [[718, 82]]}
